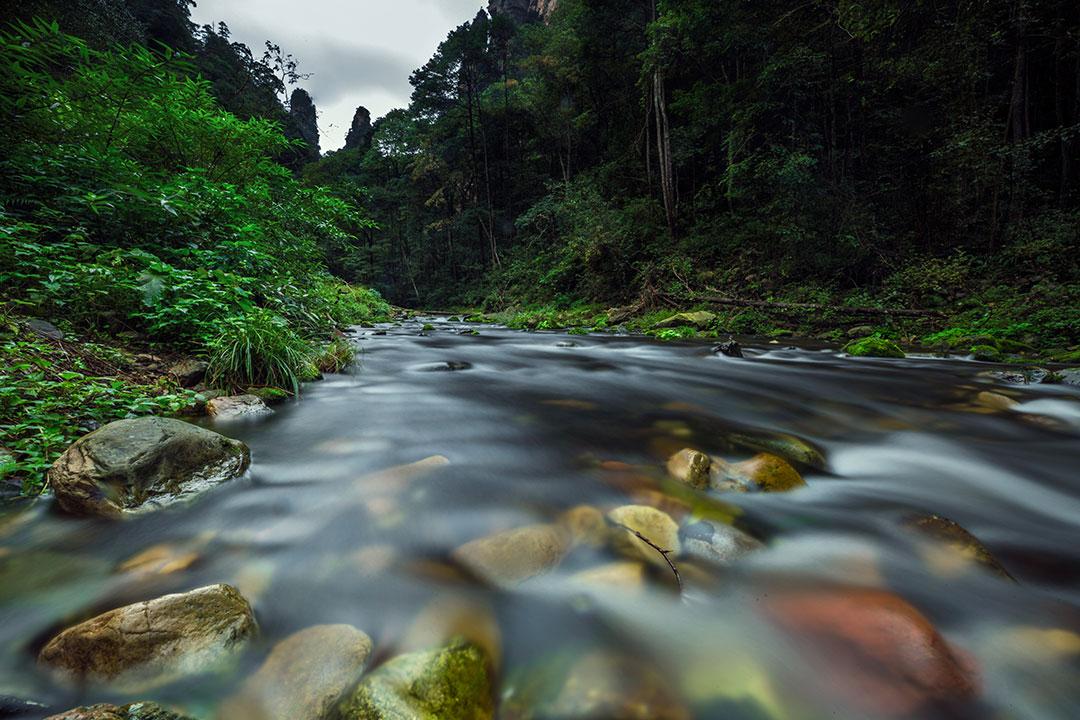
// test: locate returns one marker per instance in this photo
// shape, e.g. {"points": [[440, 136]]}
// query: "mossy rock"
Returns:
{"points": [[268, 395], [448, 683], [701, 320], [428, 327], [874, 347], [985, 353]]}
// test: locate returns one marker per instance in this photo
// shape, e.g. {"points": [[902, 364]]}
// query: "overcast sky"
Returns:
{"points": [[360, 51]]}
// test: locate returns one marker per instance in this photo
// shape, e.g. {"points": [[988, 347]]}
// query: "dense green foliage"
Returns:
{"points": [[891, 154], [133, 206]]}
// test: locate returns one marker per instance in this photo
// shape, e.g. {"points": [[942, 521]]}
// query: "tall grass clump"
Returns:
{"points": [[259, 348]]}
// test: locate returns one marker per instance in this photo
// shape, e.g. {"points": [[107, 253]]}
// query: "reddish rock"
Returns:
{"points": [[876, 651]]}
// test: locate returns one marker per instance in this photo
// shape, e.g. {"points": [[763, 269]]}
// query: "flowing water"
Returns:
{"points": [[535, 423]]}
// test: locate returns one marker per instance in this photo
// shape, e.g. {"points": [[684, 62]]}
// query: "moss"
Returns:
{"points": [[268, 395], [874, 347], [428, 327], [985, 353], [449, 683]]}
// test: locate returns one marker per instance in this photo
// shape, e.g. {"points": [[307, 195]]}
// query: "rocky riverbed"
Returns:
{"points": [[477, 523]]}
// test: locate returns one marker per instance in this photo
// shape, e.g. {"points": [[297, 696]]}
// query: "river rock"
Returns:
{"points": [[874, 650], [964, 546], [449, 683], [585, 525], [152, 643], [132, 465], [304, 677], [451, 617], [701, 320], [188, 372], [791, 448], [236, 406], [764, 472], [596, 684], [728, 348], [624, 576], [511, 557], [133, 711], [716, 543], [653, 524], [995, 401], [691, 467]]}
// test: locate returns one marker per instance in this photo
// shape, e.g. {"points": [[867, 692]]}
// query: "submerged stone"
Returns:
{"points": [[448, 683], [716, 543], [654, 525], [304, 677], [964, 546], [691, 467], [152, 643], [513, 556], [764, 472], [132, 465]]}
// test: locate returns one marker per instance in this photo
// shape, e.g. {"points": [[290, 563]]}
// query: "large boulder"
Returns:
{"points": [[304, 676], [133, 465], [152, 643], [448, 683], [133, 711]]}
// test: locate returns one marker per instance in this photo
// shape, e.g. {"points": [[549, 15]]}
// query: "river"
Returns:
{"points": [[532, 424]]}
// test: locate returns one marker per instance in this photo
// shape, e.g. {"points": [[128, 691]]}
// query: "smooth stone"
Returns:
{"points": [[995, 401], [236, 406], [621, 576], [449, 617], [691, 467], [188, 372], [303, 677], [764, 472], [596, 684], [511, 557], [701, 320], [585, 525], [133, 711], [716, 543], [124, 466], [655, 525], [964, 546], [791, 448], [873, 649], [152, 643], [448, 683]]}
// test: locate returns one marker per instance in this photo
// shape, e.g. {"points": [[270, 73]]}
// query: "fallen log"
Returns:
{"points": [[814, 307]]}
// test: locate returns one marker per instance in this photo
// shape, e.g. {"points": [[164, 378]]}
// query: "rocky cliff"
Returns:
{"points": [[360, 131], [524, 10], [304, 120]]}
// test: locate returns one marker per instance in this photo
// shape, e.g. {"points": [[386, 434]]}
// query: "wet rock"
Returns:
{"points": [[379, 333], [729, 348], [716, 543], [652, 524], [691, 467], [1023, 376], [596, 684], [449, 683], [44, 329], [964, 546], [985, 353], [995, 401], [304, 677], [161, 559], [134, 465], [152, 643], [1070, 376], [791, 448], [188, 372], [585, 525], [133, 711], [673, 506], [513, 556], [873, 649], [874, 347], [764, 472], [622, 576], [269, 395], [236, 406], [450, 617], [449, 366]]}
